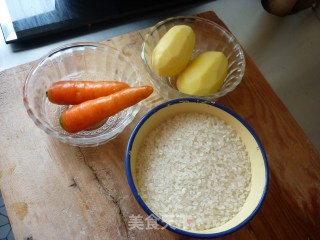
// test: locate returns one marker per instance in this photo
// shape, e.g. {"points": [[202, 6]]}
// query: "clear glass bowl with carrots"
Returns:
{"points": [[84, 94]]}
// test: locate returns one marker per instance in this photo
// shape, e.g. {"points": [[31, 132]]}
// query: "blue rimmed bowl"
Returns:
{"points": [[257, 157]]}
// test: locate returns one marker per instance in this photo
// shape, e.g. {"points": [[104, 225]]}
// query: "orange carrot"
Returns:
{"points": [[75, 92], [87, 114]]}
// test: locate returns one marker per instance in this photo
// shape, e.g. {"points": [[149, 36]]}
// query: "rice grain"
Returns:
{"points": [[193, 171]]}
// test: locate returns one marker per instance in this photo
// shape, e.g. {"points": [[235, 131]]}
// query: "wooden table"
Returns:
{"points": [[56, 191]]}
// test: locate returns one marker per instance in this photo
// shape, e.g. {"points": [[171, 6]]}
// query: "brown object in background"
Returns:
{"points": [[285, 7]]}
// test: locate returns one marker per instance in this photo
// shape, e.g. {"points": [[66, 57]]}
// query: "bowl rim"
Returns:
{"points": [[141, 201], [171, 90], [70, 139]]}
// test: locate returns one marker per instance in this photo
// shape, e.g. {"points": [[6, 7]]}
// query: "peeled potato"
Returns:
{"points": [[173, 52], [204, 75]]}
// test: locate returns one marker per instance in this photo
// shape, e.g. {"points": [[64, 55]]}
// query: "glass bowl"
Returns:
{"points": [[209, 37], [78, 61]]}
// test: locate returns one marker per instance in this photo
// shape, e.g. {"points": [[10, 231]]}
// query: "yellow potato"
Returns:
{"points": [[173, 52], [204, 75]]}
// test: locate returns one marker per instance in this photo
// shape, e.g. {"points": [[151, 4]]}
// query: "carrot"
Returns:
{"points": [[87, 114], [75, 92]]}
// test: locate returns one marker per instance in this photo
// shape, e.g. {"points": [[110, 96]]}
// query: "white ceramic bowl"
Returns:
{"points": [[78, 61], [257, 156]]}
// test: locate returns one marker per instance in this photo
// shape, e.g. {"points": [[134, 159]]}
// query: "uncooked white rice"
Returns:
{"points": [[193, 171]]}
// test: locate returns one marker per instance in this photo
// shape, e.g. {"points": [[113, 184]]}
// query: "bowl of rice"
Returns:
{"points": [[197, 168]]}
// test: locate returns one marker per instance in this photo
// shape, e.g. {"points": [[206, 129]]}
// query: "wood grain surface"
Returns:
{"points": [[56, 191]]}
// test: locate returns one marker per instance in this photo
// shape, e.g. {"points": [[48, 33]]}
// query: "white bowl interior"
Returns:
{"points": [[258, 167]]}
